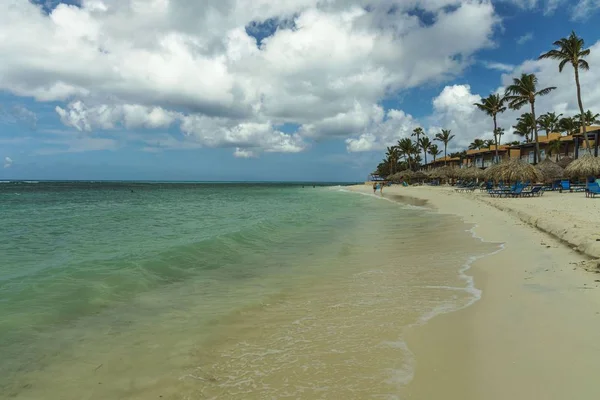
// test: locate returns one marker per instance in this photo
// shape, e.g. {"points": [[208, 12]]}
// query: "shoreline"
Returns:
{"points": [[533, 332]]}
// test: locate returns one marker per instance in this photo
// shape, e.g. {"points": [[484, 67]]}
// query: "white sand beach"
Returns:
{"points": [[534, 332]]}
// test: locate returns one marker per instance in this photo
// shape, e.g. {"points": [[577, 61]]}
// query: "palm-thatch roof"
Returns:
{"points": [[470, 173], [563, 162], [400, 176], [514, 169], [551, 170], [437, 173], [420, 175], [451, 172], [586, 165]]}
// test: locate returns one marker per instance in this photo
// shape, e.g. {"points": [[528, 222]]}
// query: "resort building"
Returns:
{"points": [[570, 146]]}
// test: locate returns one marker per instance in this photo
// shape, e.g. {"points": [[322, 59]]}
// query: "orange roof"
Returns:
{"points": [[502, 147]]}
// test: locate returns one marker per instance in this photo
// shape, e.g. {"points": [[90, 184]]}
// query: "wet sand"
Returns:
{"points": [[534, 332]]}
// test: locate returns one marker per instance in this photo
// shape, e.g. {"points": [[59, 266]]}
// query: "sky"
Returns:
{"points": [[265, 89]]}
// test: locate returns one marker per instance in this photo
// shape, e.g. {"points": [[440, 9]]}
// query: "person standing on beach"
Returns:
{"points": [[381, 188], [374, 187]]}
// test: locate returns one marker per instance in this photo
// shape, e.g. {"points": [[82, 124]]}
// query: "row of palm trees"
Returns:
{"points": [[523, 91], [406, 154]]}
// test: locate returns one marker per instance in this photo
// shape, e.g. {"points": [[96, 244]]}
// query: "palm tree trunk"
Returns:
{"points": [[583, 123], [496, 138], [536, 153], [445, 153], [425, 154]]}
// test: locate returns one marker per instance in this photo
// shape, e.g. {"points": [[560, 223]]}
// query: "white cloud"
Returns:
{"points": [[8, 162], [383, 132], [241, 153], [584, 9], [84, 118], [150, 64], [453, 107], [521, 40], [578, 9], [498, 66]]}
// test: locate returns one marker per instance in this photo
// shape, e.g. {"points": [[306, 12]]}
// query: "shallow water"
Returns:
{"points": [[218, 291]]}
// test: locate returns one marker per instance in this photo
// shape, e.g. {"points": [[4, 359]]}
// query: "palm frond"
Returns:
{"points": [[545, 91]]}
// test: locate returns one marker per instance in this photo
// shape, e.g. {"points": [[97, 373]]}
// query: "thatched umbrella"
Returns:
{"points": [[451, 172], [470, 173], [563, 162], [550, 170], [420, 175], [514, 170], [584, 166], [437, 173]]}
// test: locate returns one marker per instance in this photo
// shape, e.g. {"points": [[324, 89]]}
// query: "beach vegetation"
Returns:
{"points": [[524, 91], [445, 136], [492, 106], [571, 50]]}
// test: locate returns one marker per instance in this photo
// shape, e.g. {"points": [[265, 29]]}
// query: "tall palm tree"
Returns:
{"points": [[425, 144], [571, 50], [523, 91], [492, 106], [589, 118], [417, 132], [477, 144], [569, 125], [434, 151], [489, 143], [549, 122], [445, 137]]}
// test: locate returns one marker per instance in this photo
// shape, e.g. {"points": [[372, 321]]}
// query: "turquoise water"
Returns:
{"points": [[136, 285]]}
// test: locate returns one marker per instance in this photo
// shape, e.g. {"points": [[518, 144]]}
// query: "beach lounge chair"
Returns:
{"points": [[513, 192], [592, 190], [535, 191]]}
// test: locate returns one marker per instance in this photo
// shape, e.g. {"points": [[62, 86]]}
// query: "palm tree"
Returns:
{"points": [[569, 125], [492, 105], [477, 144], [498, 132], [570, 50], [392, 156], [406, 149], [434, 151], [417, 132], [445, 137], [523, 91], [549, 122], [425, 144], [489, 143], [554, 148], [526, 123], [589, 118]]}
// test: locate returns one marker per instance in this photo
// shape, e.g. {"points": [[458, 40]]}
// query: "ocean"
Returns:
{"points": [[121, 290]]}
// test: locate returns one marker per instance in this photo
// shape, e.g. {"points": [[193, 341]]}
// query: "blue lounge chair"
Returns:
{"points": [[535, 191], [592, 190]]}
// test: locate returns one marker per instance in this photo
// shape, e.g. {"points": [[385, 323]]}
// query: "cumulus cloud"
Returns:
{"points": [[453, 107], [322, 65], [8, 162], [83, 118]]}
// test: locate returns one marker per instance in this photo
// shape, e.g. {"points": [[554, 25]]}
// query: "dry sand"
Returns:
{"points": [[535, 333]]}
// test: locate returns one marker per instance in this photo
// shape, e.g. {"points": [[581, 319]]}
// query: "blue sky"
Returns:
{"points": [[303, 132]]}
